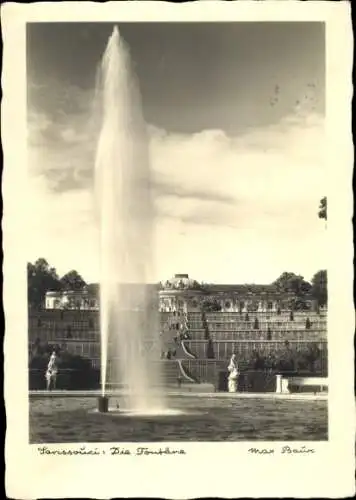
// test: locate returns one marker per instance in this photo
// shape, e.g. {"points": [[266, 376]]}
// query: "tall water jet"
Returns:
{"points": [[128, 313]]}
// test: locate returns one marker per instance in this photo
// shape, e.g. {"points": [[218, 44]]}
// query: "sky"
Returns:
{"points": [[235, 113]]}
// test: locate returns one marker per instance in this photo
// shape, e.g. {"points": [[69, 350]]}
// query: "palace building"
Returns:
{"points": [[184, 294]]}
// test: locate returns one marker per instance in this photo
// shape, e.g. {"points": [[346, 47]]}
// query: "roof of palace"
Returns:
{"points": [[182, 282], [241, 289]]}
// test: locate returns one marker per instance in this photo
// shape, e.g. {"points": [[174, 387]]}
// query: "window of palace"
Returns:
{"points": [[86, 350], [227, 305], [79, 349]]}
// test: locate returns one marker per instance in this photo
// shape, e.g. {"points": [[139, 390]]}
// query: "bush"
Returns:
{"points": [[74, 372], [286, 360], [210, 350]]}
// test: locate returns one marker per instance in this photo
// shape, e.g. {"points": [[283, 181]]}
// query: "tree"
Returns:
{"points": [[40, 279], [320, 287], [323, 209], [72, 281], [93, 289], [210, 350], [296, 285], [299, 304], [292, 283]]}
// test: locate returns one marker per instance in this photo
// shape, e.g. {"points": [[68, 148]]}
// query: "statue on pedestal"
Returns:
{"points": [[51, 373], [233, 377]]}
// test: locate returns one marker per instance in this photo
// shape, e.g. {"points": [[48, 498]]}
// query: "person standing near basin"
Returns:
{"points": [[233, 377], [51, 373]]}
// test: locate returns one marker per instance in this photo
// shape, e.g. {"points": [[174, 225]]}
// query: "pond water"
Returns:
{"points": [[74, 419]]}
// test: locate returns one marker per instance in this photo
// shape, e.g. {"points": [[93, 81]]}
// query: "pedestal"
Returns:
{"points": [[285, 389], [103, 404], [278, 384], [281, 385]]}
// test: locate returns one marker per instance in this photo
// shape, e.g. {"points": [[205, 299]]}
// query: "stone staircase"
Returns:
{"points": [[174, 374]]}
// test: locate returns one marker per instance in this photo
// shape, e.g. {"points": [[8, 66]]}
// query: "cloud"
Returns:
{"points": [[219, 199], [61, 135], [276, 170], [61, 227]]}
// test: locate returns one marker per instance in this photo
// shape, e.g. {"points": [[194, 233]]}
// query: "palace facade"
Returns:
{"points": [[184, 294]]}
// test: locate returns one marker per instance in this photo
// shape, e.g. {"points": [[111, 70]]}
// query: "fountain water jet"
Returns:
{"points": [[128, 314]]}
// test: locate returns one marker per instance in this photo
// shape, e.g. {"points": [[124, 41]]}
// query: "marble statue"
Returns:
{"points": [[51, 373], [233, 369]]}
